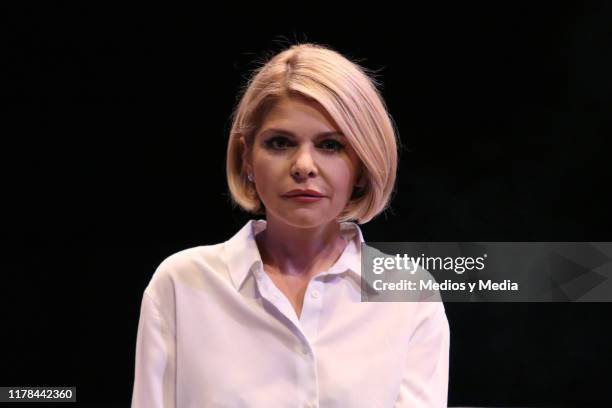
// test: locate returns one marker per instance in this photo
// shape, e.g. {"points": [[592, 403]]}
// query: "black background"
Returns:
{"points": [[114, 158]]}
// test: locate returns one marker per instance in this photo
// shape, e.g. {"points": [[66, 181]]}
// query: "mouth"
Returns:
{"points": [[304, 193], [304, 198]]}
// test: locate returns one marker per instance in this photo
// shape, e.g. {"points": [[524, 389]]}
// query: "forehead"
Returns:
{"points": [[299, 113]]}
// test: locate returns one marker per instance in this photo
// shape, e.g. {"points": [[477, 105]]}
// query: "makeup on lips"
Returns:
{"points": [[304, 196]]}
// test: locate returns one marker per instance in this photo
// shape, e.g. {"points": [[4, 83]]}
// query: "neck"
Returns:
{"points": [[295, 250]]}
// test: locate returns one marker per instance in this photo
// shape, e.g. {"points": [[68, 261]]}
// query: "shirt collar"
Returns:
{"points": [[242, 254]]}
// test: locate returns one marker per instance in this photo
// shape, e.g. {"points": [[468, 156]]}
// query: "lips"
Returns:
{"points": [[303, 193]]}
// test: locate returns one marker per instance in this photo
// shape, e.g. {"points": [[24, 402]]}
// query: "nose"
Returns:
{"points": [[304, 164]]}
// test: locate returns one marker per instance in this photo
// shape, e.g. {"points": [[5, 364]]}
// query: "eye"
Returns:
{"points": [[277, 143], [332, 145]]}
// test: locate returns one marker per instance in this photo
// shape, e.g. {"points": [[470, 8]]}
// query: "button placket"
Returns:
{"points": [[313, 301], [306, 371]]}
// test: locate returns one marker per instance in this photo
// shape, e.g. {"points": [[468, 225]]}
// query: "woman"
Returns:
{"points": [[273, 317]]}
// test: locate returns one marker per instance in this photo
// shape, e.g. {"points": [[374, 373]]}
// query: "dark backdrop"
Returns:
{"points": [[114, 154]]}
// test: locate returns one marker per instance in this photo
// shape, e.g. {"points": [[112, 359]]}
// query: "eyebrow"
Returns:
{"points": [[322, 134]]}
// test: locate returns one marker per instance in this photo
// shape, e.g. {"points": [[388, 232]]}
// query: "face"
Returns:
{"points": [[299, 147]]}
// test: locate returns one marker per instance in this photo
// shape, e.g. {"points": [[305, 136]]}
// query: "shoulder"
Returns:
{"points": [[190, 258], [185, 269], [199, 266]]}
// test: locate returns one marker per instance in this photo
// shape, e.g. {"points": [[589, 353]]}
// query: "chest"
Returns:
{"points": [[254, 356], [293, 287]]}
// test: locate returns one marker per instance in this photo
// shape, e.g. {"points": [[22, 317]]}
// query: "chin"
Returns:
{"points": [[306, 218]]}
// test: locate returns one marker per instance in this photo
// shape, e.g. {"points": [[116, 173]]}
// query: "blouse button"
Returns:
{"points": [[315, 294]]}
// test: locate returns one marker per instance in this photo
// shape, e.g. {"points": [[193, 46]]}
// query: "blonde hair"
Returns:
{"points": [[348, 94]]}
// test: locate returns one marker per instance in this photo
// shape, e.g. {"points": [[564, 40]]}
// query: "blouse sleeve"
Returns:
{"points": [[425, 380], [155, 373]]}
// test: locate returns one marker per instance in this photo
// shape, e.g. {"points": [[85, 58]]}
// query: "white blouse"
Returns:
{"points": [[215, 331]]}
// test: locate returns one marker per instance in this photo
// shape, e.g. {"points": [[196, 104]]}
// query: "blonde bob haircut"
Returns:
{"points": [[348, 94]]}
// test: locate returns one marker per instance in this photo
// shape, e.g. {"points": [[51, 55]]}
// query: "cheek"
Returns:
{"points": [[267, 172], [343, 180], [262, 163]]}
